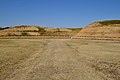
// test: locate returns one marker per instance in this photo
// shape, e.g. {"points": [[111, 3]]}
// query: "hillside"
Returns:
{"points": [[101, 29], [20, 30], [38, 31]]}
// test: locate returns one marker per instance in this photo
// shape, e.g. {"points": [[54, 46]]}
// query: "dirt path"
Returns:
{"points": [[57, 61]]}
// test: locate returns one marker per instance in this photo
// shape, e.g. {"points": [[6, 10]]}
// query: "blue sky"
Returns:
{"points": [[57, 13]]}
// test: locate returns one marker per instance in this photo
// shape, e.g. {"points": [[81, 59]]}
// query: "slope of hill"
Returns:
{"points": [[38, 31], [102, 29], [20, 30]]}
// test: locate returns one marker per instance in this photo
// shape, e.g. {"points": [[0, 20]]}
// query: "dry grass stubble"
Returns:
{"points": [[14, 52]]}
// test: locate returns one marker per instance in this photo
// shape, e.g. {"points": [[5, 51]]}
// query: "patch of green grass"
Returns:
{"points": [[75, 29], [109, 22]]}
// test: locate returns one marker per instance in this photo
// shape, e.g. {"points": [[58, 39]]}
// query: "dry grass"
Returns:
{"points": [[103, 56], [101, 29], [13, 52]]}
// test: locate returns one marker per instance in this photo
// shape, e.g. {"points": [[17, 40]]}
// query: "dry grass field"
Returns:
{"points": [[13, 52], [59, 59]]}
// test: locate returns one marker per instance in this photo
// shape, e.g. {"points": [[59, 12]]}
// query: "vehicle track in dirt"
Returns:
{"points": [[57, 61]]}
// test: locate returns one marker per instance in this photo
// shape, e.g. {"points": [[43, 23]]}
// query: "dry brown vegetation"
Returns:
{"points": [[37, 31], [103, 29], [59, 59], [14, 52], [103, 56]]}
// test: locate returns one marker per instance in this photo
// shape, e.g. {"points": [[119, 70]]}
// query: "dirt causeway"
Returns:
{"points": [[59, 59]]}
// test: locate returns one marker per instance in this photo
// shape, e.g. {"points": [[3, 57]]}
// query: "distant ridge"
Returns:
{"points": [[37, 32]]}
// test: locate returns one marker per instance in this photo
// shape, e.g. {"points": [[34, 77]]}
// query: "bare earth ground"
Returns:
{"points": [[59, 59]]}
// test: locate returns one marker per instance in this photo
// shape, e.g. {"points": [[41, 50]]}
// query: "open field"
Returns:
{"points": [[59, 59]]}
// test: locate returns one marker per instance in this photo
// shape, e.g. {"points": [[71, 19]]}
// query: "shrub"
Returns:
{"points": [[41, 30], [58, 30], [9, 34], [24, 34]]}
